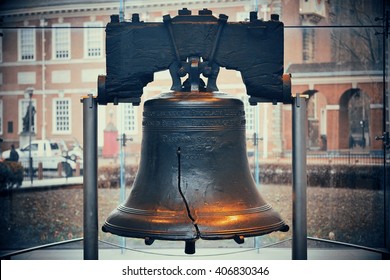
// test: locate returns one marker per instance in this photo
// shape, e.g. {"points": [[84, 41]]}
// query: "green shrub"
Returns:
{"points": [[327, 176], [11, 175]]}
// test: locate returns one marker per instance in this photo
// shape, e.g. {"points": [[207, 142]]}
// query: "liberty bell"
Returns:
{"points": [[194, 180]]}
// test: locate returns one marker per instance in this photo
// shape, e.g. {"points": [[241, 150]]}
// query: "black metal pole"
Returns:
{"points": [[90, 178], [30, 160], [386, 127], [299, 235]]}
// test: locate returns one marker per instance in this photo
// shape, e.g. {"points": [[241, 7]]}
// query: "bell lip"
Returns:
{"points": [[144, 212], [193, 235], [153, 234], [200, 214], [255, 231], [136, 223]]}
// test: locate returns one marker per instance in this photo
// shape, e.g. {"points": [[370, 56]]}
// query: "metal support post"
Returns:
{"points": [[299, 235], [90, 178]]}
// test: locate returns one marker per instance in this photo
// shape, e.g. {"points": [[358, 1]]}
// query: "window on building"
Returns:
{"points": [[93, 40], [61, 41], [312, 107], [130, 117], [308, 45], [62, 115], [1, 116], [27, 44], [10, 127]]}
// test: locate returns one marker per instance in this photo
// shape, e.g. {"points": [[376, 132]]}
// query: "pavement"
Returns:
{"points": [[173, 253], [201, 254]]}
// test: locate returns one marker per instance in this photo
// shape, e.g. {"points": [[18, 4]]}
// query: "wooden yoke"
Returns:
{"points": [[136, 50]]}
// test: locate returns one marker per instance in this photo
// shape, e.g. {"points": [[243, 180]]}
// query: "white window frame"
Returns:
{"points": [[130, 118], [23, 105], [61, 40], [31, 44], [93, 36], [1, 118], [67, 115]]}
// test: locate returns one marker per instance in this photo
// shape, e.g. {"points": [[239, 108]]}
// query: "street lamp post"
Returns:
{"points": [[28, 94], [123, 139]]}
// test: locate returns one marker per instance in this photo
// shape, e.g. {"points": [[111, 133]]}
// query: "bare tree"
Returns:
{"points": [[354, 37]]}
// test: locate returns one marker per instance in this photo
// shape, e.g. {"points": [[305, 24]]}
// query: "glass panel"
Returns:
{"points": [[35, 218], [344, 88], [335, 58]]}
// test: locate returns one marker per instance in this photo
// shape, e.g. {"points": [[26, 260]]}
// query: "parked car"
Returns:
{"points": [[50, 153]]}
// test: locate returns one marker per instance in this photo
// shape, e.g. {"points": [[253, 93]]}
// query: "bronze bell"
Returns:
{"points": [[194, 179]]}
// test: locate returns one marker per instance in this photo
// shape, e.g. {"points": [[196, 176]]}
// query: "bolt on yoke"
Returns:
{"points": [[194, 45]]}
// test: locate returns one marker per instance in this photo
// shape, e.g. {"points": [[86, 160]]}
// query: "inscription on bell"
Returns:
{"points": [[201, 112], [192, 147], [199, 123], [180, 139]]}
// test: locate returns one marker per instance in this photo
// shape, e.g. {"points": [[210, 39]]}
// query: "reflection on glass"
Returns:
{"points": [[334, 55]]}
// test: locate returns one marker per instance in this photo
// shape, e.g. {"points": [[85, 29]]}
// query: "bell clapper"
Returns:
{"points": [[149, 241], [190, 247], [239, 239]]}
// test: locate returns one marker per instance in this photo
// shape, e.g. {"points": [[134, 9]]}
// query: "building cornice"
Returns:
{"points": [[339, 74], [110, 7], [336, 80], [13, 64]]}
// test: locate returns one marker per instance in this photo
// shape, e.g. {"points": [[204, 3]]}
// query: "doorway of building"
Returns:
{"points": [[316, 116], [359, 120]]}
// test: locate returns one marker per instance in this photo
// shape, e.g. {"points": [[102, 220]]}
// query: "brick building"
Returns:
{"points": [[57, 49]]}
